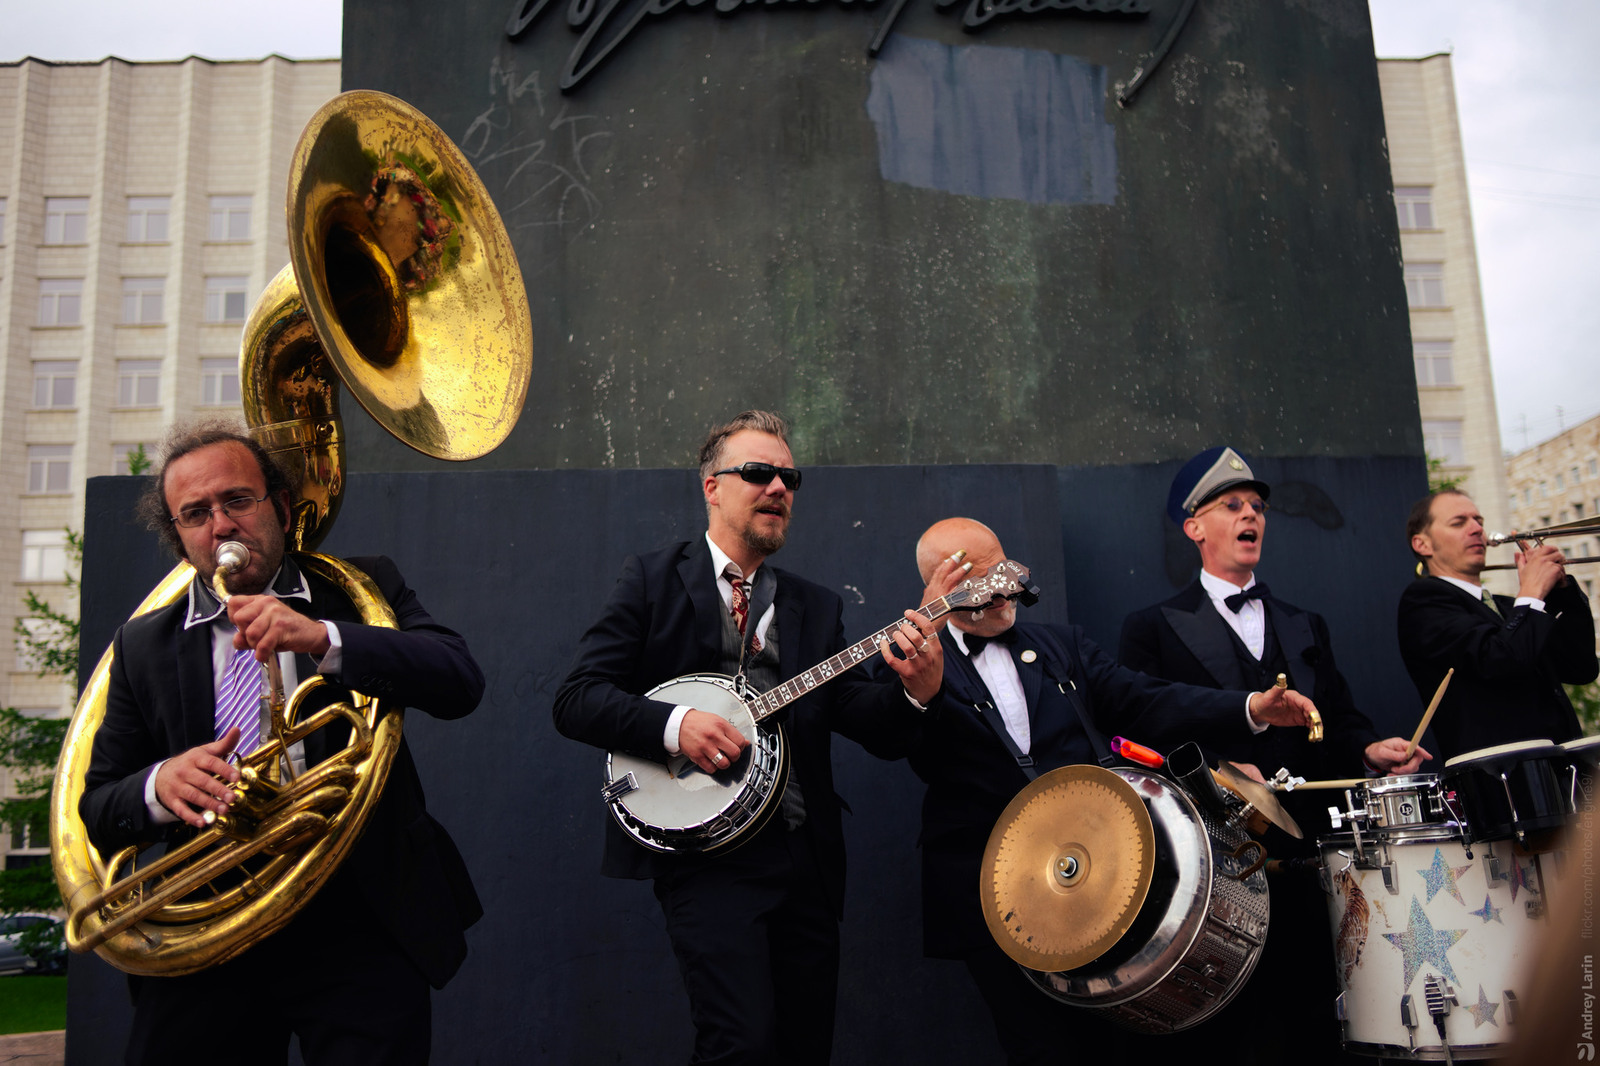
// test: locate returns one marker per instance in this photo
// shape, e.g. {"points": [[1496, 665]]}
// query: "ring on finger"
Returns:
{"points": [[924, 646]]}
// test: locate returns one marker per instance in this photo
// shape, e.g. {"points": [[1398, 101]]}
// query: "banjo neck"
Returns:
{"points": [[971, 596]]}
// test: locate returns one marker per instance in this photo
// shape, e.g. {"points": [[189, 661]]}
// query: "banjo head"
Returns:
{"points": [[675, 805]]}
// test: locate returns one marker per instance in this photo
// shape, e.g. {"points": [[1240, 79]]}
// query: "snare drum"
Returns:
{"points": [[1511, 790], [1395, 802], [1421, 930]]}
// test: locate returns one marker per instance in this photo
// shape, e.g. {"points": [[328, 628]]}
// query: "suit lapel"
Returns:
{"points": [[694, 570], [1208, 639], [1294, 639], [197, 697], [791, 626]]}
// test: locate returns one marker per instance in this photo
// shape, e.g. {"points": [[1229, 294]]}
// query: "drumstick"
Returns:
{"points": [[1344, 782], [1411, 748]]}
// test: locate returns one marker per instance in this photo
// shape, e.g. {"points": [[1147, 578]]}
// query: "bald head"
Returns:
{"points": [[943, 539]]}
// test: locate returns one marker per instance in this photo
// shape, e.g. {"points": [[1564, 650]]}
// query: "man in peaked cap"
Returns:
{"points": [[1226, 630]]}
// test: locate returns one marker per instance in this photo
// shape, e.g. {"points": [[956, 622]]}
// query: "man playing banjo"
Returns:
{"points": [[755, 928]]}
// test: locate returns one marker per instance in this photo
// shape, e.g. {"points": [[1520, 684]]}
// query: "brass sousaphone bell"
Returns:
{"points": [[403, 284]]}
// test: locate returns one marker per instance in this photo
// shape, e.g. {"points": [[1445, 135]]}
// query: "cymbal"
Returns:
{"points": [[1067, 867], [1258, 796]]}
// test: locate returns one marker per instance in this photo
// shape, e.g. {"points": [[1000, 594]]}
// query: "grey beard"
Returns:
{"points": [[762, 543]]}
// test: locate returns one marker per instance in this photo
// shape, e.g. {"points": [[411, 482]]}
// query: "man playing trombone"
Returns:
{"points": [[349, 974], [1511, 656]]}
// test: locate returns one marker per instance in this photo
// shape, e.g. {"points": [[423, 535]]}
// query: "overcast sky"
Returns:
{"points": [[1526, 87]]}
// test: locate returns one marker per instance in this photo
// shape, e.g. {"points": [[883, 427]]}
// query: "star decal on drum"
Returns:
{"points": [[1422, 943], [1484, 1011], [1442, 875], [1489, 912]]}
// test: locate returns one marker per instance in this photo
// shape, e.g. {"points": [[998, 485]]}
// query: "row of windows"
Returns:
{"points": [[50, 466], [55, 382], [1563, 481], [66, 219], [143, 299]]}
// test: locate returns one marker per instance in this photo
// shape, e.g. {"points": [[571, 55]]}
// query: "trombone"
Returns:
{"points": [[1573, 528]]}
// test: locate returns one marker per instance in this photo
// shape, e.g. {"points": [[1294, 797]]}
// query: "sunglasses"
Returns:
{"points": [[1235, 505], [763, 473]]}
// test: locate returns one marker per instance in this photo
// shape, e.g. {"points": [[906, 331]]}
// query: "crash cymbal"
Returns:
{"points": [[1259, 796], [1067, 867]]}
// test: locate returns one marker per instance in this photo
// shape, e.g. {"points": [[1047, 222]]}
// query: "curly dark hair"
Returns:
{"points": [[760, 421], [185, 438]]}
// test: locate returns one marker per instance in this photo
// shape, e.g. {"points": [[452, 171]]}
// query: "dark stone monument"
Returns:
{"points": [[931, 236]]}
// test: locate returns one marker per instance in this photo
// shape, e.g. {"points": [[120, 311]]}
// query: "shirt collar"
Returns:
{"points": [[1220, 588], [1470, 588], [721, 560], [287, 584]]}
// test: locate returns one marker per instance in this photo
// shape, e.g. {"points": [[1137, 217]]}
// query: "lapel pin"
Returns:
{"points": [[1029, 655]]}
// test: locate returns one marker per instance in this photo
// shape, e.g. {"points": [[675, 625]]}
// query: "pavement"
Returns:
{"points": [[34, 1049]]}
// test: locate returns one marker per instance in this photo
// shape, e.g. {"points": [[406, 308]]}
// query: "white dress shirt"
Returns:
{"points": [[999, 672]]}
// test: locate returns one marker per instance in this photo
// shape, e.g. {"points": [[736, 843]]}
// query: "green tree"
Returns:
{"points": [[1586, 701], [29, 748], [1437, 480], [138, 462]]}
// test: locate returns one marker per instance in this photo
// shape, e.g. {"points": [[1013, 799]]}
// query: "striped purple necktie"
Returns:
{"points": [[239, 701]]}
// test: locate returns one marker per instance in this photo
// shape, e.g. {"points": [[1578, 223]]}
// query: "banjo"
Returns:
{"points": [[677, 807]]}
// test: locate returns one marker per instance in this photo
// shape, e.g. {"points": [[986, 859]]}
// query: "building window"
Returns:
{"points": [[230, 218], [1425, 284], [138, 382], [225, 298], [49, 468], [1544, 491], [1561, 483], [2, 220], [141, 301], [1577, 476], [55, 383], [1527, 496], [1414, 203], [1566, 516], [1594, 468], [1433, 361], [147, 219], [60, 301], [124, 455], [1442, 439], [66, 219], [219, 381], [44, 555], [1577, 511]]}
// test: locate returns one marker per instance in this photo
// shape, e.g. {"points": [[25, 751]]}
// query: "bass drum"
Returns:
{"points": [[1199, 933], [1428, 934]]}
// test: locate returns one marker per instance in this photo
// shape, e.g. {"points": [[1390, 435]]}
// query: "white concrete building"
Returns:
{"points": [[1555, 482], [141, 211], [1450, 343]]}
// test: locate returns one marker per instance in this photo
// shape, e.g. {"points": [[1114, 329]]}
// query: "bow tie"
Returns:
{"points": [[976, 644], [1238, 599]]}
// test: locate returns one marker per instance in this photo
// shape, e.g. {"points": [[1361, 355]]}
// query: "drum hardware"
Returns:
{"points": [[1438, 995], [1513, 790], [403, 286], [1260, 805]]}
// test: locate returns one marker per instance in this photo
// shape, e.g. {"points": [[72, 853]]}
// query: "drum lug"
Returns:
{"points": [[1391, 878], [619, 788], [1408, 1013], [1338, 1009], [1509, 998]]}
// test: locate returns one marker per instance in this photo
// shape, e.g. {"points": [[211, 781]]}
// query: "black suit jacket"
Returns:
{"points": [[1185, 639], [1509, 667], [160, 702], [663, 620], [971, 775]]}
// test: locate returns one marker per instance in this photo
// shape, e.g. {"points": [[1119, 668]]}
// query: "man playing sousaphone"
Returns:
{"points": [[350, 974]]}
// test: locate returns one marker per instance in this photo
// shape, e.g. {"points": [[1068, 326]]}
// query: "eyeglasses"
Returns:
{"points": [[1234, 504], [763, 473], [238, 507]]}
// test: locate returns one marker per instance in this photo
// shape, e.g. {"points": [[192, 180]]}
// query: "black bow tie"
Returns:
{"points": [[976, 644], [1237, 600]]}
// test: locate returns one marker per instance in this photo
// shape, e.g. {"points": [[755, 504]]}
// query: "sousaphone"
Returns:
{"points": [[403, 285]]}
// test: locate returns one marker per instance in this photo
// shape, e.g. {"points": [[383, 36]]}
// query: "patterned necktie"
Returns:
{"points": [[239, 701], [740, 609], [1488, 601]]}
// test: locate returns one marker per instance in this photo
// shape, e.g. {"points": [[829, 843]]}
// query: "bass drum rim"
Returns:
{"points": [[1179, 930]]}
